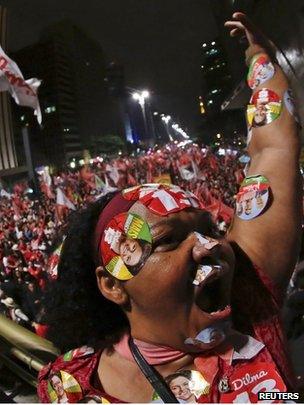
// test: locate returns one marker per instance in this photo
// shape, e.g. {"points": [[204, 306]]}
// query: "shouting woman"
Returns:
{"points": [[169, 310]]}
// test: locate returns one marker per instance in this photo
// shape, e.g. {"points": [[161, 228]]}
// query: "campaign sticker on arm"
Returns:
{"points": [[261, 69], [265, 107], [246, 382], [252, 197], [125, 245]]}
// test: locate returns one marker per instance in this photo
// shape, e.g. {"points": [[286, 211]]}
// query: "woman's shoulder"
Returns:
{"points": [[70, 374]]}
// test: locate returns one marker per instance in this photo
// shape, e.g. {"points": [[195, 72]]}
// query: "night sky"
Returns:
{"points": [[157, 41]]}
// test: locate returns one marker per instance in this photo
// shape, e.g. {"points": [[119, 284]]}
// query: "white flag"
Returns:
{"points": [[62, 199], [23, 91]]}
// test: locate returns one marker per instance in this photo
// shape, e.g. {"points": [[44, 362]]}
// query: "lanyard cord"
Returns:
{"points": [[154, 378]]}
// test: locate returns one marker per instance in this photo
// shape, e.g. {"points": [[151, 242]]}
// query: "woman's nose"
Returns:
{"points": [[203, 247]]}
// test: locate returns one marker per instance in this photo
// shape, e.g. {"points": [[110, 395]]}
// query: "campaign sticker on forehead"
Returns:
{"points": [[246, 382], [260, 70], [125, 245], [265, 107], [187, 385], [289, 102], [252, 197], [63, 387], [162, 199]]}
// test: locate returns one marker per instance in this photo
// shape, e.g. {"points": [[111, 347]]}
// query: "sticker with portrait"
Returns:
{"points": [[187, 385], [265, 107], [260, 70], [63, 388], [125, 245], [252, 197]]}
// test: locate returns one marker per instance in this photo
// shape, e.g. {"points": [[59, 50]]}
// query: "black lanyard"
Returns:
{"points": [[154, 378]]}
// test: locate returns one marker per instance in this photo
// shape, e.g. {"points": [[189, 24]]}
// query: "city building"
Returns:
{"points": [[77, 109], [217, 83]]}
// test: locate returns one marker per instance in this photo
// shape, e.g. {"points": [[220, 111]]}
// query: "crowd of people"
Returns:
{"points": [[29, 225]]}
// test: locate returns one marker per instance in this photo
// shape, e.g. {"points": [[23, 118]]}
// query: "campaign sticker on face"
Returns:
{"points": [[265, 107], [201, 274], [63, 387], [125, 245], [252, 197], [261, 69], [162, 199], [214, 333], [246, 382], [187, 385], [289, 102]]}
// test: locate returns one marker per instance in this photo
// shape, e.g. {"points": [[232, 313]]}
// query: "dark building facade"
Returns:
{"points": [[77, 110], [217, 83]]}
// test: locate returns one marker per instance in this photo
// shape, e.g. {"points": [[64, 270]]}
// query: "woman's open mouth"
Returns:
{"points": [[212, 293]]}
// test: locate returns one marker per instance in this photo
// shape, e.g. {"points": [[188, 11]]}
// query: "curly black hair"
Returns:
{"points": [[75, 311]]}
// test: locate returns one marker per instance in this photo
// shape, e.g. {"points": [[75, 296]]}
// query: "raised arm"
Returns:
{"points": [[272, 239]]}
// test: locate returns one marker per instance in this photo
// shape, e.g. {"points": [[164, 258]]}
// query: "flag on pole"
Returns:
{"points": [[62, 199], [24, 92], [99, 184]]}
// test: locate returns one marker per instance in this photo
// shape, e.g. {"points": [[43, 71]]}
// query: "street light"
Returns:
{"points": [[141, 97], [166, 119]]}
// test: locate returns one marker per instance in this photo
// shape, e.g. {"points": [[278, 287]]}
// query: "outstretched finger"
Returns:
{"points": [[236, 32], [245, 21], [234, 24]]}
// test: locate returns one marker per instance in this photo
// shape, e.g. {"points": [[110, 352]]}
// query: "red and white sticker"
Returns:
{"points": [[246, 382], [261, 69], [162, 199]]}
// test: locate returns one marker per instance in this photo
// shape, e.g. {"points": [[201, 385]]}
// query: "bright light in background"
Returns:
{"points": [[218, 136], [166, 118], [213, 43], [155, 113], [141, 96], [221, 152], [183, 143], [73, 165], [204, 45], [81, 162]]}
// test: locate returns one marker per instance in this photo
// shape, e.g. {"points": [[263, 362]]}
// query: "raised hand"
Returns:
{"points": [[242, 26]]}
